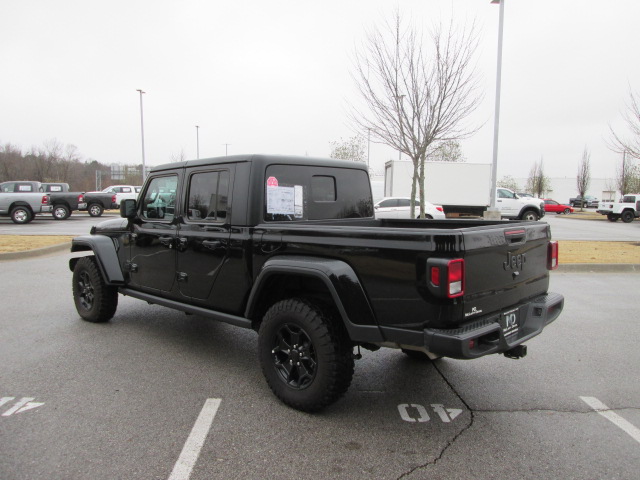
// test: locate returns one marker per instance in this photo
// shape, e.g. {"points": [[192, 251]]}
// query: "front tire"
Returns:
{"points": [[95, 300], [61, 212], [95, 210], [305, 355], [21, 215], [566, 211]]}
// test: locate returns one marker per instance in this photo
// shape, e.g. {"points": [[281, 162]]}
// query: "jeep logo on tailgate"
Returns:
{"points": [[515, 261]]}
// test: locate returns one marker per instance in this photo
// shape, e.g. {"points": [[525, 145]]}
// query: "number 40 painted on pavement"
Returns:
{"points": [[417, 413], [22, 405]]}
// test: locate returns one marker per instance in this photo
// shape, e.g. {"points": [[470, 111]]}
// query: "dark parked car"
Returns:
{"points": [[589, 201]]}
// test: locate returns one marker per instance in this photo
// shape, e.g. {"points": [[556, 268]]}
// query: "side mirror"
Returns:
{"points": [[128, 208]]}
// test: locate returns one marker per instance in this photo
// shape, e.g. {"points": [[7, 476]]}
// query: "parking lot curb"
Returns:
{"points": [[599, 268], [38, 252]]}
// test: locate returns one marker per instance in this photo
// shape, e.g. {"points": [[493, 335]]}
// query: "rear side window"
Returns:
{"points": [[297, 192], [159, 200], [208, 196]]}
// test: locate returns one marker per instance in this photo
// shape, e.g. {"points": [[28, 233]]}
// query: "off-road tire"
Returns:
{"points": [[627, 216], [95, 210], [95, 300], [305, 355], [61, 212], [21, 215]]}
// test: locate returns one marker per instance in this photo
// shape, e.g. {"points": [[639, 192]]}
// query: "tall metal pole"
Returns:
{"points": [[496, 126], [144, 167], [226, 149], [198, 142]]}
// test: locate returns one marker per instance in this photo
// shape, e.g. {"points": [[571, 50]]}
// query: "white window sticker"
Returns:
{"points": [[24, 188], [298, 201], [280, 200]]}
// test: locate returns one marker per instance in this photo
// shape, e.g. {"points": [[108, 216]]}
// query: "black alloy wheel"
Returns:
{"points": [[627, 216], [95, 300], [305, 354], [294, 356]]}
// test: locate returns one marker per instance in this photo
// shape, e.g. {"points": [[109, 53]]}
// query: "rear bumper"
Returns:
{"points": [[487, 335]]}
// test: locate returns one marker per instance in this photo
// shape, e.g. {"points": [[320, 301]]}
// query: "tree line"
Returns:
{"points": [[56, 162]]}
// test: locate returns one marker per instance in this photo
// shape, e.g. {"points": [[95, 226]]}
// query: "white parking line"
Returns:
{"points": [[614, 418], [191, 450]]}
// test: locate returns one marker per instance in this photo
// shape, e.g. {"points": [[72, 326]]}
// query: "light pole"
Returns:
{"points": [[144, 170], [226, 149], [198, 142], [496, 125]]}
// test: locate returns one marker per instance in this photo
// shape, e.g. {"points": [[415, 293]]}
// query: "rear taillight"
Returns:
{"points": [[455, 280], [113, 199], [439, 208], [45, 199], [446, 277], [552, 255], [81, 198]]}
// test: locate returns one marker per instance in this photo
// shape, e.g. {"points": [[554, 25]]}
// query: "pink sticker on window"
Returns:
{"points": [[272, 182]]}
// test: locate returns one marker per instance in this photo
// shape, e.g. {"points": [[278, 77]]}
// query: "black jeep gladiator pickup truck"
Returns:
{"points": [[289, 247]]}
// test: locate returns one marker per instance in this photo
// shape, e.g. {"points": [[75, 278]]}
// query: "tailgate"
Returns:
{"points": [[505, 265]]}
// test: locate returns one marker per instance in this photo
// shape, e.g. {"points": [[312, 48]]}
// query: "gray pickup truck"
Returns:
{"points": [[22, 207], [62, 200]]}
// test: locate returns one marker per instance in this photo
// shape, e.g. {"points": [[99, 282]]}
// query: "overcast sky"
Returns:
{"points": [[268, 76]]}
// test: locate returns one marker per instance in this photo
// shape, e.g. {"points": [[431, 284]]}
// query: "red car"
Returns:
{"points": [[553, 206]]}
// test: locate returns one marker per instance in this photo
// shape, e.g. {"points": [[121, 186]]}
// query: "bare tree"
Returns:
{"points": [[353, 149], [10, 162], [508, 182], [416, 94], [631, 116], [447, 151], [627, 177], [537, 183], [584, 175]]}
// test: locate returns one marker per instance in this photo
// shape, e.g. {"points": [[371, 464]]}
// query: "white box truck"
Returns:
{"points": [[461, 188]]}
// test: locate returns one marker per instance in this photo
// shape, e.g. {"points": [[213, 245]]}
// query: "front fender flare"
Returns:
{"points": [[105, 254], [340, 280]]}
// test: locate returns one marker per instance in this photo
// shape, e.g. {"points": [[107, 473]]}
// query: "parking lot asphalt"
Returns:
{"points": [[122, 399]]}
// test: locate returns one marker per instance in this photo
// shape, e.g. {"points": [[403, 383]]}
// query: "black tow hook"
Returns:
{"points": [[516, 352]]}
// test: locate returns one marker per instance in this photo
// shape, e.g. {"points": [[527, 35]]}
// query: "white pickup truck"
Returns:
{"points": [[626, 209], [22, 207], [122, 192]]}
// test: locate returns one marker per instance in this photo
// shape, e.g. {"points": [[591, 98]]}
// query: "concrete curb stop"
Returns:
{"points": [[599, 268]]}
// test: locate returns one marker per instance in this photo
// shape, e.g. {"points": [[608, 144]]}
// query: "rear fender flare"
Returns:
{"points": [[341, 282], [105, 253]]}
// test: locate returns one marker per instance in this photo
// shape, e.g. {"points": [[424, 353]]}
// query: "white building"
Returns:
{"points": [[562, 189]]}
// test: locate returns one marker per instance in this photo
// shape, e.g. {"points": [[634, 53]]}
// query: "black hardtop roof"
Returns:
{"points": [[264, 160]]}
